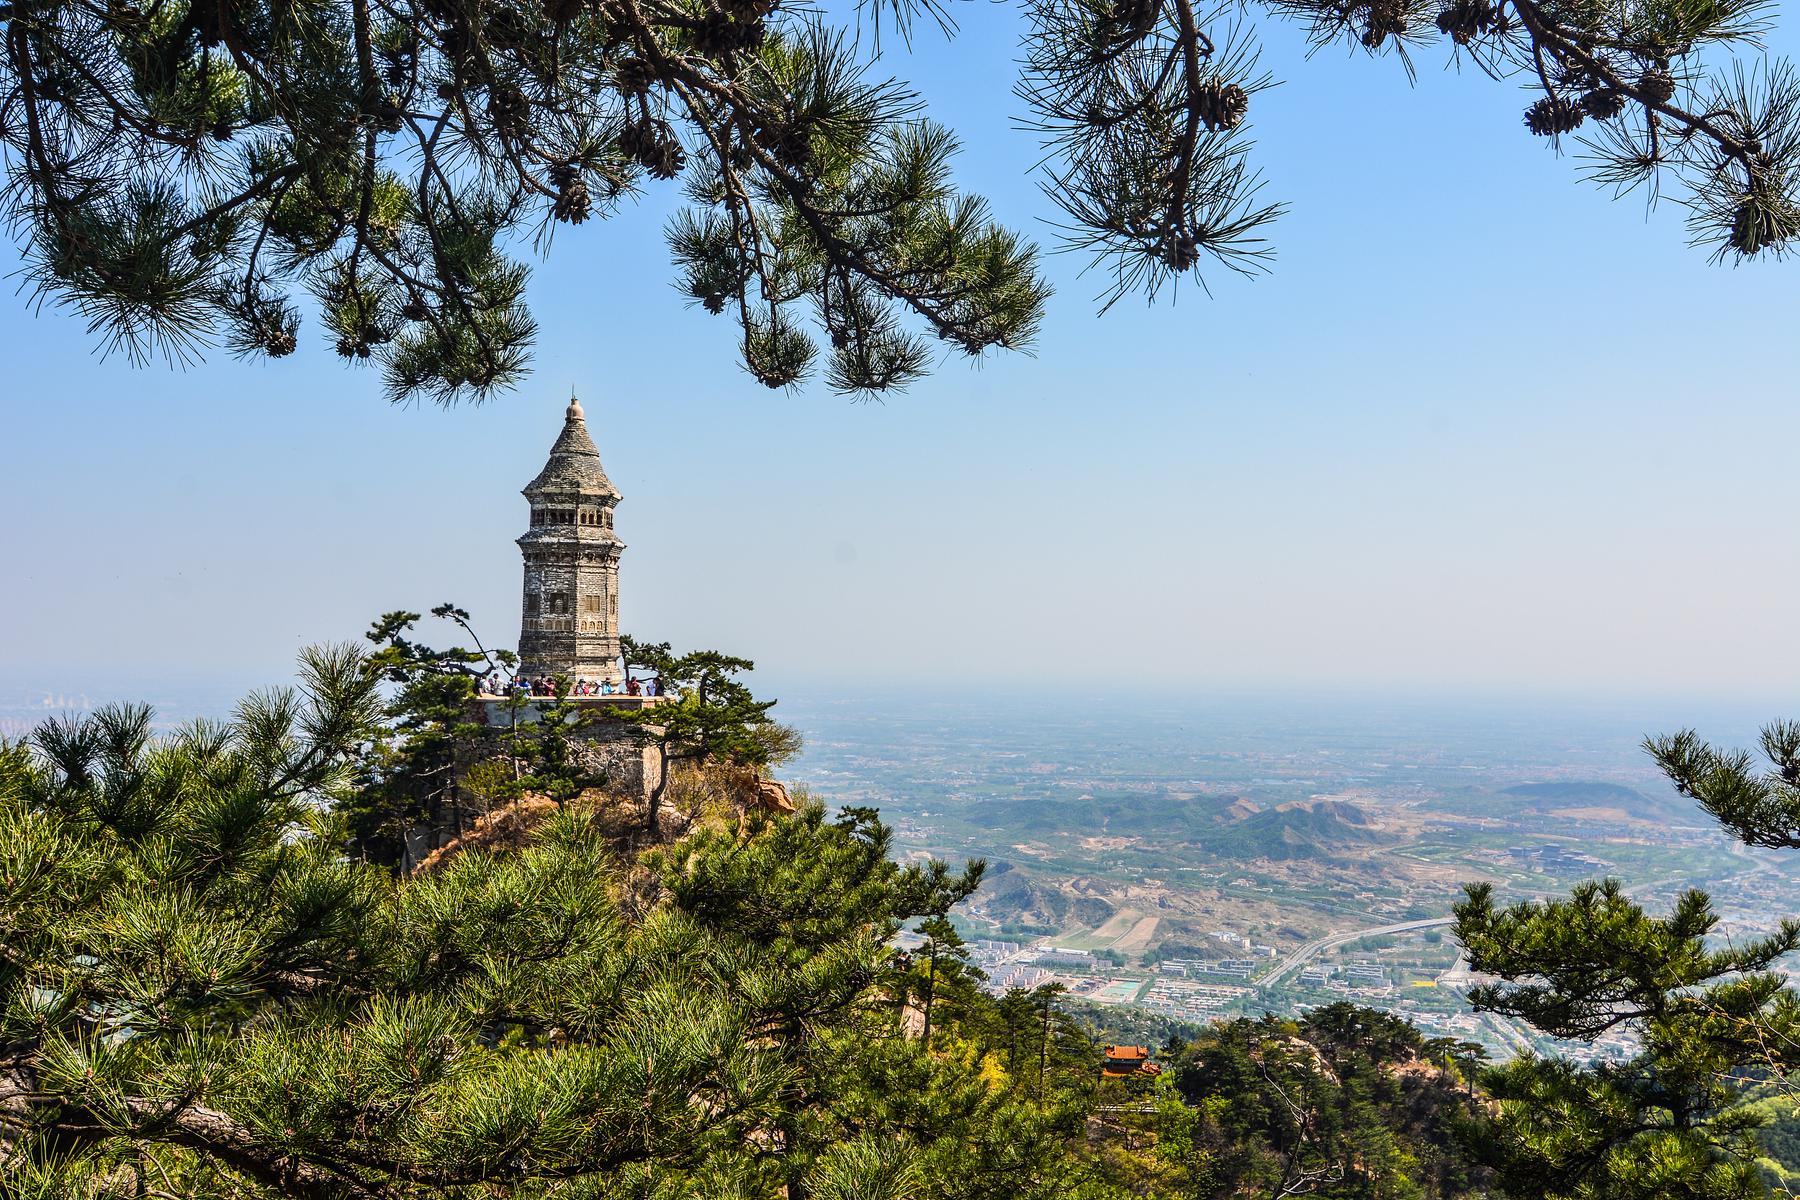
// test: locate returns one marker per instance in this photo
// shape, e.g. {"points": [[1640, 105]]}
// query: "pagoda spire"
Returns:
{"points": [[570, 620]]}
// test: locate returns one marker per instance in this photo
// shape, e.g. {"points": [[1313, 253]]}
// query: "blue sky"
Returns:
{"points": [[1482, 429]]}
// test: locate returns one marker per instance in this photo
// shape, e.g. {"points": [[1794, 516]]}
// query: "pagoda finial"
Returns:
{"points": [[574, 413]]}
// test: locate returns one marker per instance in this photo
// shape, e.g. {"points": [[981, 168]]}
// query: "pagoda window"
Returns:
{"points": [[531, 604]]}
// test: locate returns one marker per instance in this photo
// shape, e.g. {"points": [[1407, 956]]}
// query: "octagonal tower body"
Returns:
{"points": [[570, 625]]}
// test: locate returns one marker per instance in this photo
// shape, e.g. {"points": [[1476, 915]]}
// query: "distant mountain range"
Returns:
{"points": [[1030, 900], [1301, 829], [1563, 795]]}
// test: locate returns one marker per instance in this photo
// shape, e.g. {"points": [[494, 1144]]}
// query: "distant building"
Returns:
{"points": [[1023, 978], [570, 625], [1125, 1061], [1056, 956]]}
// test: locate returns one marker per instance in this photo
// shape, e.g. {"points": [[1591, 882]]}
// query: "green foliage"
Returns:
{"points": [[413, 769], [706, 713], [181, 171], [1676, 1119], [1758, 807], [1341, 1103], [1113, 1024], [200, 995], [184, 169], [435, 762], [1345, 1102]]}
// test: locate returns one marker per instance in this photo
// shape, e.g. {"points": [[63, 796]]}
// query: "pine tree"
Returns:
{"points": [[1672, 1121], [181, 170], [1343, 1102], [415, 771], [202, 995], [707, 713], [943, 958]]}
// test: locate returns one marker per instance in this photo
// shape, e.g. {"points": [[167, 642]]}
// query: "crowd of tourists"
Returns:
{"points": [[496, 684]]}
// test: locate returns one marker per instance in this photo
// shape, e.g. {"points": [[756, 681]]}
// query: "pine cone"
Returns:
{"points": [[1222, 105], [412, 310], [1466, 20], [279, 344], [654, 146], [563, 11], [1182, 252], [508, 29], [1136, 15], [635, 76], [632, 138], [719, 33], [1603, 104], [1553, 115], [713, 302], [346, 348], [1386, 19], [388, 115], [1657, 85], [573, 201], [1755, 228], [507, 106], [668, 160], [793, 147]]}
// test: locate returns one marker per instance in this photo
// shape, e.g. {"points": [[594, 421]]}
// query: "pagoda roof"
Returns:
{"points": [[574, 463]]}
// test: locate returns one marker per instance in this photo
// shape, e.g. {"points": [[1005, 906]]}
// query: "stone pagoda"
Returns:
{"points": [[570, 625]]}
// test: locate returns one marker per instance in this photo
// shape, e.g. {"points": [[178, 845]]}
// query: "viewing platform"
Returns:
{"points": [[506, 710], [613, 701]]}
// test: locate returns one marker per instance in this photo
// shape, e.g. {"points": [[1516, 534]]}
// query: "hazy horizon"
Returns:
{"points": [[1613, 724]]}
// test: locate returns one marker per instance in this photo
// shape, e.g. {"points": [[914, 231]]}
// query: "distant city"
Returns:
{"points": [[1216, 858]]}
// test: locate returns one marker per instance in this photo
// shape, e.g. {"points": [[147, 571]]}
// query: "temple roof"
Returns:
{"points": [[574, 464]]}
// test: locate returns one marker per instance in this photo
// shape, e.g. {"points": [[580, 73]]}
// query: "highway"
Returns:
{"points": [[1299, 958]]}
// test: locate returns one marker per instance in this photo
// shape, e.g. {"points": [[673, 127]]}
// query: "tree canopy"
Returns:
{"points": [[202, 995], [1710, 1016], [181, 172]]}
